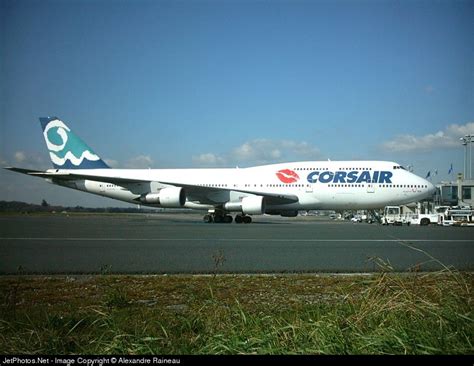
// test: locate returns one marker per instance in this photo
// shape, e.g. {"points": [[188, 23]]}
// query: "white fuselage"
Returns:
{"points": [[317, 185]]}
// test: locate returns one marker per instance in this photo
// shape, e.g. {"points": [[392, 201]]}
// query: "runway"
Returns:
{"points": [[182, 243]]}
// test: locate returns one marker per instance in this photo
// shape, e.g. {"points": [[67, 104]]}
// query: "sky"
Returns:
{"points": [[186, 84]]}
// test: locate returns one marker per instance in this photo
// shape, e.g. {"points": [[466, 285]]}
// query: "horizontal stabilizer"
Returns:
{"points": [[23, 171], [75, 176]]}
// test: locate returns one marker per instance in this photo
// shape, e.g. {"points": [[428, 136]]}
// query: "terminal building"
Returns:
{"points": [[459, 193]]}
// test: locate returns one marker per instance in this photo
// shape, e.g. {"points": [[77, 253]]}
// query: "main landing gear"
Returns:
{"points": [[227, 219], [243, 219]]}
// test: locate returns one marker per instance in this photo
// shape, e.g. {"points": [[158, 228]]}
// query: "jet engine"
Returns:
{"points": [[171, 197], [253, 205]]}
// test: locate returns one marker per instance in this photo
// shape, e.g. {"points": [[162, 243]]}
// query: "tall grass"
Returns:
{"points": [[387, 313]]}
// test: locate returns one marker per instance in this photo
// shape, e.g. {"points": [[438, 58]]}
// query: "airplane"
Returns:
{"points": [[277, 189]]}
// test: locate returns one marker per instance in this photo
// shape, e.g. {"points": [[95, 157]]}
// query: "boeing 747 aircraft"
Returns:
{"points": [[276, 189]]}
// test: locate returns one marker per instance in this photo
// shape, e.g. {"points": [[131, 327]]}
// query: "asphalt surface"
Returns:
{"points": [[182, 243]]}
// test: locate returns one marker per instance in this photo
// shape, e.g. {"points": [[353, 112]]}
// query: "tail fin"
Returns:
{"points": [[68, 151]]}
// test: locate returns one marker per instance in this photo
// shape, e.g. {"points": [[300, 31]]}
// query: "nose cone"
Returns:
{"points": [[431, 189]]}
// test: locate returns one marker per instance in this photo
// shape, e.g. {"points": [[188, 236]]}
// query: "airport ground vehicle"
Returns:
{"points": [[392, 215], [456, 217], [423, 219]]}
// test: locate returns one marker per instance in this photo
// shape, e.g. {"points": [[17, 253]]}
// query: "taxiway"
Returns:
{"points": [[182, 243]]}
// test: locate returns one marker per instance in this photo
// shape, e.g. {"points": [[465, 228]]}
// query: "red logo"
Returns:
{"points": [[287, 176]]}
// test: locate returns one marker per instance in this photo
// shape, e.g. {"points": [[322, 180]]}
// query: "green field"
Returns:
{"points": [[384, 313]]}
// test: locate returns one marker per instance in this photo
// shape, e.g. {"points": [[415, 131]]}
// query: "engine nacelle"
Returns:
{"points": [[171, 197], [253, 205]]}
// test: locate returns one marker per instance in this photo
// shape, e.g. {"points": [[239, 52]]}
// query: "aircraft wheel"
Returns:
{"points": [[218, 219], [207, 218], [228, 219], [247, 219], [238, 219]]}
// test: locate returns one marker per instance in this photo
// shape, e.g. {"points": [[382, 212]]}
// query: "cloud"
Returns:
{"points": [[20, 156], [139, 162], [3, 162], [267, 151], [209, 159], [429, 89], [460, 130], [29, 160], [112, 163], [448, 138], [260, 151]]}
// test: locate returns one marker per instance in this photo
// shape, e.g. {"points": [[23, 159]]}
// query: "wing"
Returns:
{"points": [[199, 193]]}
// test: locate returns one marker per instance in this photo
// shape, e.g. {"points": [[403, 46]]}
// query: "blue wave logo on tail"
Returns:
{"points": [[68, 151]]}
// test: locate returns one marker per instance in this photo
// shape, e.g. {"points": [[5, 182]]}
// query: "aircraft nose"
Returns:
{"points": [[431, 188]]}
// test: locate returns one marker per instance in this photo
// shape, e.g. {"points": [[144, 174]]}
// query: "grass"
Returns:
{"points": [[384, 313]]}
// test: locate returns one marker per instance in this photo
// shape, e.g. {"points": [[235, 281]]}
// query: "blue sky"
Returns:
{"points": [[226, 83]]}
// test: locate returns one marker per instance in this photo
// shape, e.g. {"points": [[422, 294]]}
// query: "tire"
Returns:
{"points": [[425, 221]]}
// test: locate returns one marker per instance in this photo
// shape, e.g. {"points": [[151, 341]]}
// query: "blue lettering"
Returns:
{"points": [[375, 178], [326, 177], [313, 177], [340, 177], [352, 177], [364, 177], [385, 177]]}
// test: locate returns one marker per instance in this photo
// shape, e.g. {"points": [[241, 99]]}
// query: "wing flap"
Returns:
{"points": [[271, 198]]}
